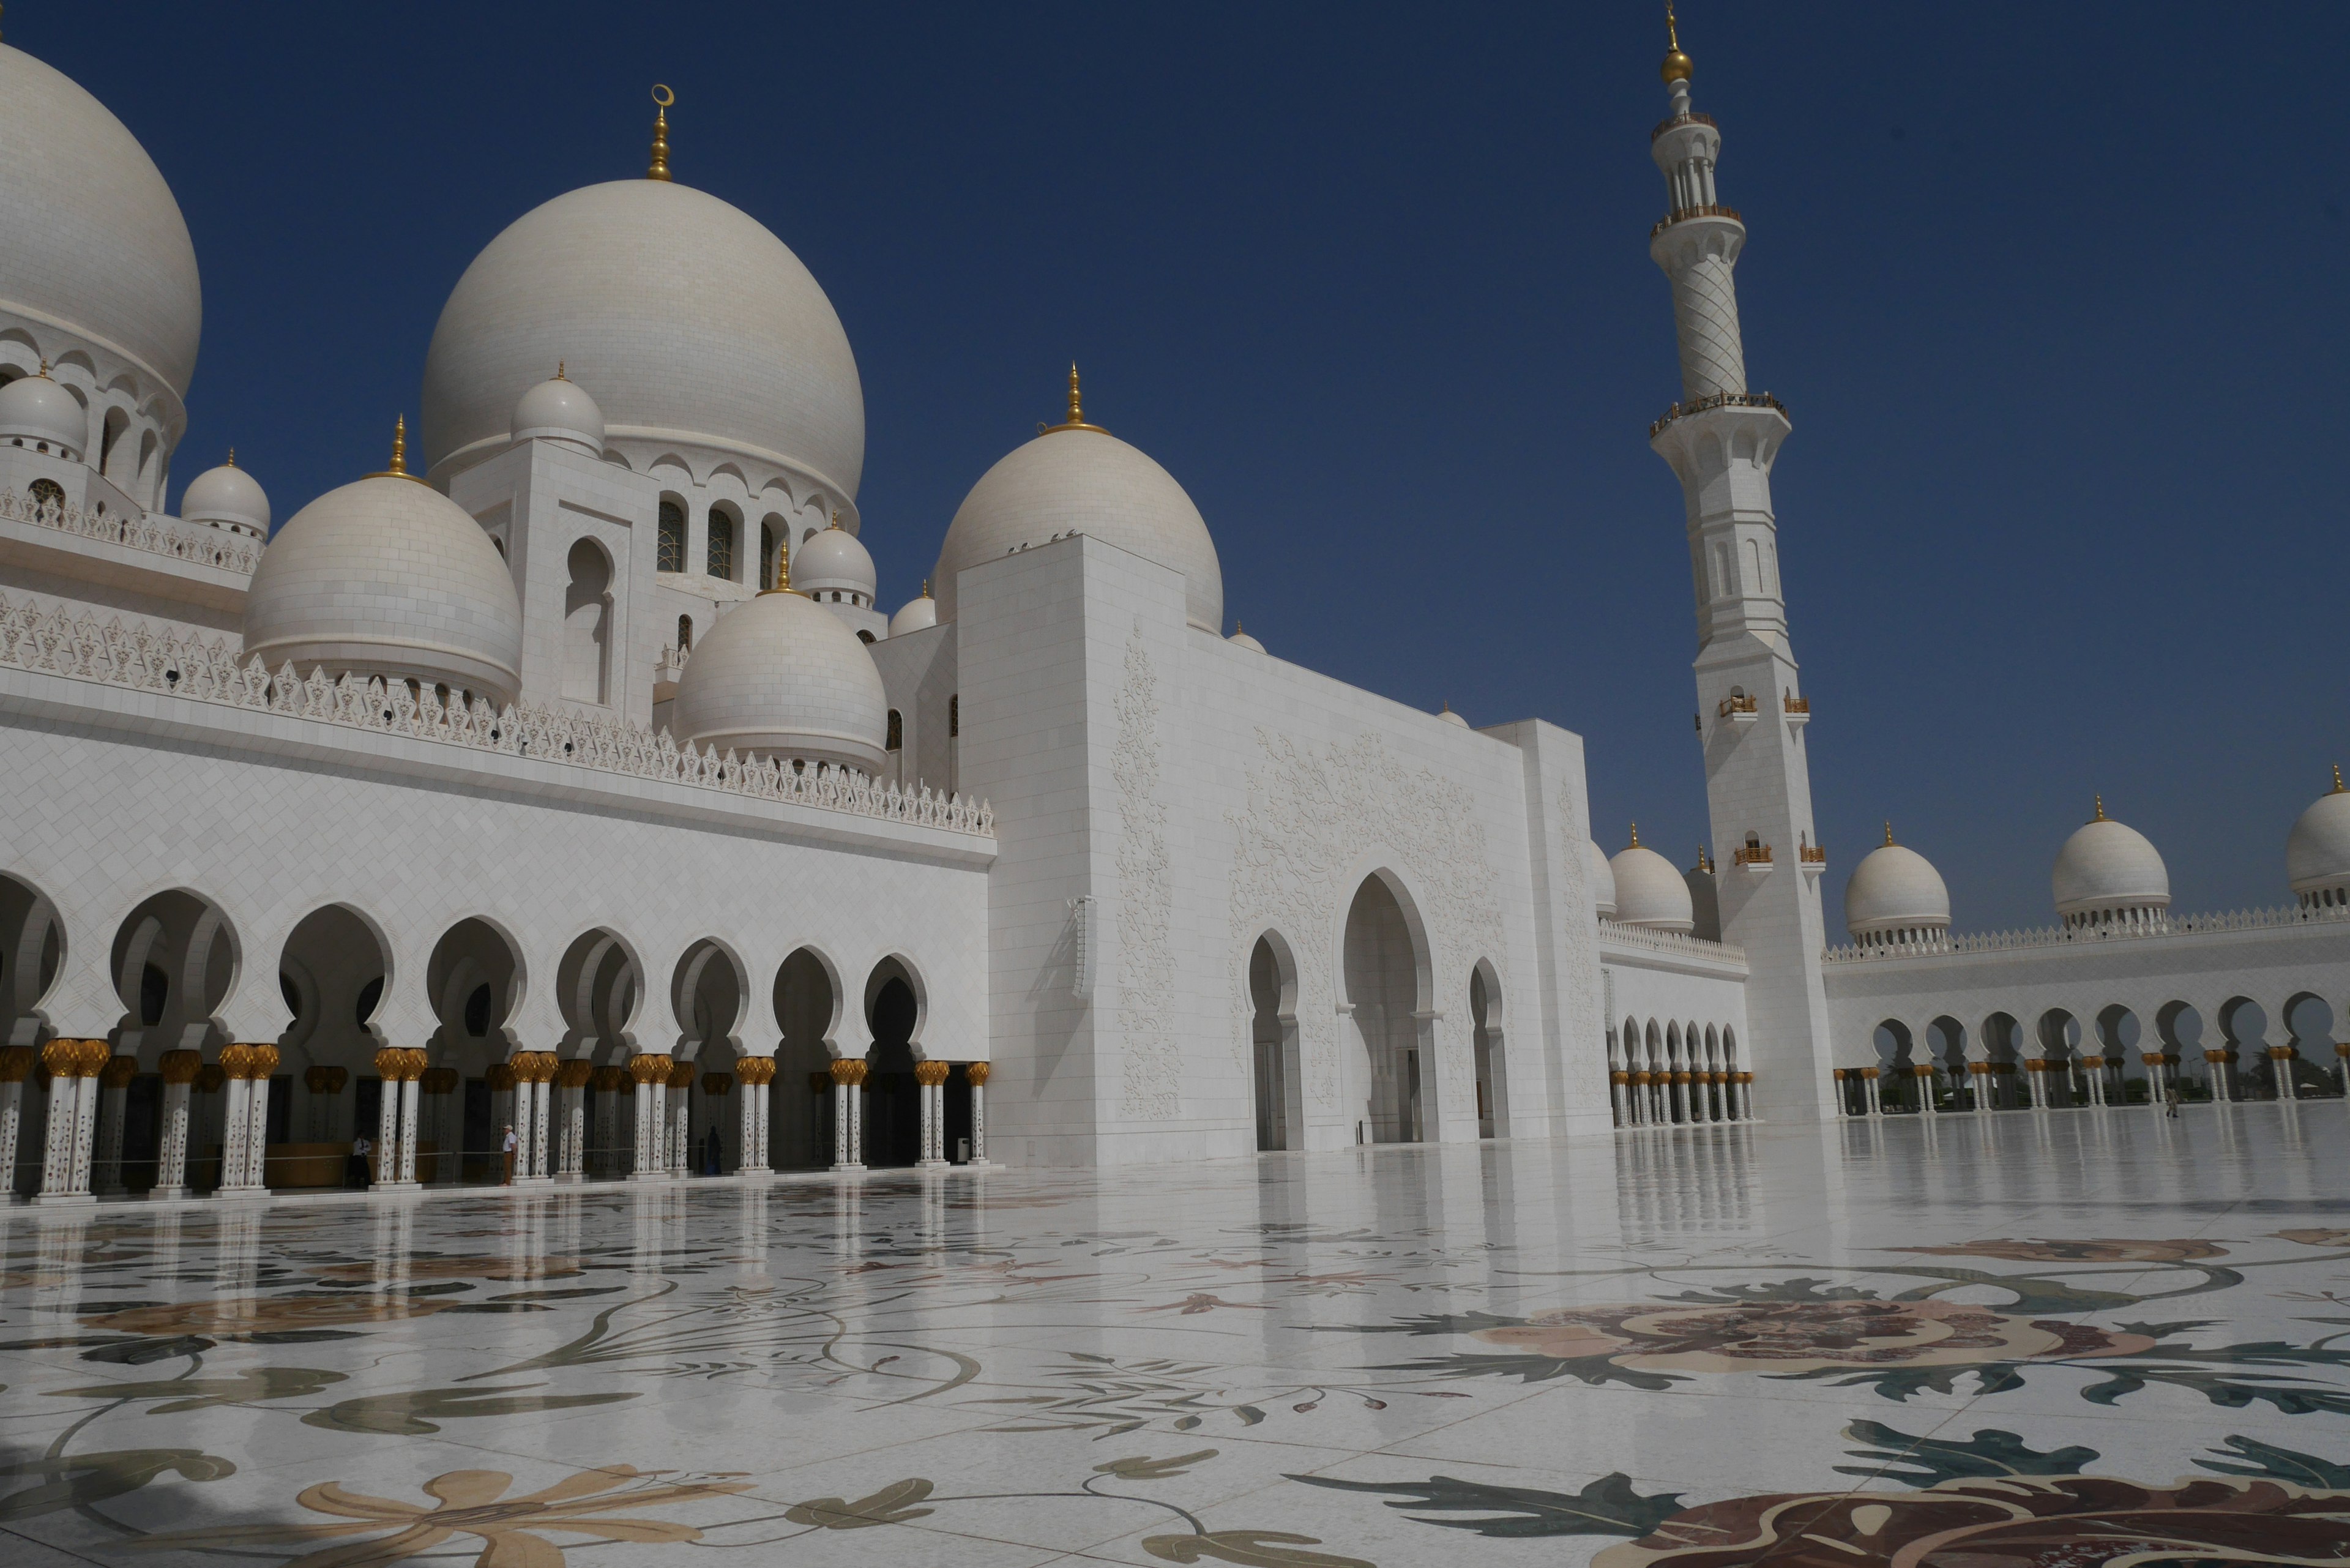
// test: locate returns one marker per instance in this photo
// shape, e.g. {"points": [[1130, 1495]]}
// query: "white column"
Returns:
{"points": [[650, 1071], [930, 1080], [113, 1108], [571, 1112], [680, 1122], [1868, 1089], [976, 1075], [1926, 1091], [180, 1069], [847, 1114], [2281, 1068], [387, 1121], [235, 1092], [542, 1094], [256, 1110], [412, 1101], [11, 1115], [73, 1104]]}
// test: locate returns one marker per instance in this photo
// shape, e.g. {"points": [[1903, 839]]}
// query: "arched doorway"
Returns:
{"points": [[1393, 1079], [808, 1006], [1272, 1030], [1493, 1066], [893, 1104], [174, 961], [597, 987]]}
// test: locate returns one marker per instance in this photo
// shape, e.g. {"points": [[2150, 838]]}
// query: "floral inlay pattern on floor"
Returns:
{"points": [[2020, 1339]]}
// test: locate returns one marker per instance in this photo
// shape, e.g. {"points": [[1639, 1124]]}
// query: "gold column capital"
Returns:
{"points": [[975, 1073], [931, 1075], [848, 1070], [118, 1072], [649, 1067]]}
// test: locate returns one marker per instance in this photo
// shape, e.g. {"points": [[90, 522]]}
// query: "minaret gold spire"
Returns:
{"points": [[782, 567], [232, 462], [1677, 65], [2338, 787], [1635, 835], [558, 371], [1888, 833], [399, 469], [2101, 810], [1077, 420], [662, 98]]}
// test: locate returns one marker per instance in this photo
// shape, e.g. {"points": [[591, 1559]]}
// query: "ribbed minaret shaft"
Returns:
{"points": [[1722, 440]]}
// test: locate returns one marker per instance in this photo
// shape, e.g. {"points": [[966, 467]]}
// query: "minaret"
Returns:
{"points": [[1720, 439]]}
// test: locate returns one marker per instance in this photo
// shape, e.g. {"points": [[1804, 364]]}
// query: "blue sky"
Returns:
{"points": [[2055, 296]]}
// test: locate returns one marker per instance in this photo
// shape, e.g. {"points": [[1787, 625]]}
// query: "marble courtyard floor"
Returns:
{"points": [[2017, 1341]]}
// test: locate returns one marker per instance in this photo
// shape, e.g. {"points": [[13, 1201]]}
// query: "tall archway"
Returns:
{"points": [[587, 624], [893, 1109], [174, 961], [597, 986], [32, 949], [2308, 1021], [331, 974], [1272, 1033], [1392, 1079], [1493, 1062], [808, 1006], [709, 993]]}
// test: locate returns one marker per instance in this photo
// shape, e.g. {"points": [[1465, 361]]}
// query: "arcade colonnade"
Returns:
{"points": [[2220, 1048], [1674, 1073], [430, 1075]]}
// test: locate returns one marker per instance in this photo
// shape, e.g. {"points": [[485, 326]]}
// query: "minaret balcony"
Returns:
{"points": [[1681, 120], [1755, 859], [1813, 858], [1798, 710], [1718, 400], [1683, 215], [1739, 710]]}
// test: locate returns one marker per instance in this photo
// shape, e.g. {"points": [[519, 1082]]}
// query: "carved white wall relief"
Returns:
{"points": [[1150, 1068], [1312, 811]]}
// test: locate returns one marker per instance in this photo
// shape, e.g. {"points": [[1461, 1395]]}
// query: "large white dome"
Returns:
{"points": [[695, 326], [91, 241], [2107, 866], [1651, 892], [387, 576], [2317, 853], [1080, 479], [1895, 889], [783, 677]]}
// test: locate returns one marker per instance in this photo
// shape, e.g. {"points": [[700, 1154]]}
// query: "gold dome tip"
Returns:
{"points": [[783, 568], [2339, 788], [2101, 810], [232, 462], [1635, 835], [1676, 65], [663, 100], [926, 587], [399, 469], [558, 371], [44, 371], [1888, 833], [1077, 420]]}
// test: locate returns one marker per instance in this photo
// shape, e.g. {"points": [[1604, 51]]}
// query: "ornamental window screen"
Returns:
{"points": [[685, 634], [47, 493], [721, 545], [672, 537]]}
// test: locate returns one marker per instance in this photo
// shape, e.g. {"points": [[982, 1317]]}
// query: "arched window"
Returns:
{"points": [[865, 637], [721, 545], [49, 492], [767, 543], [672, 556], [685, 634], [586, 622], [954, 716], [897, 740]]}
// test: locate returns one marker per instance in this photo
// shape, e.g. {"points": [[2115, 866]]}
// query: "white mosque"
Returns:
{"points": [[569, 774]]}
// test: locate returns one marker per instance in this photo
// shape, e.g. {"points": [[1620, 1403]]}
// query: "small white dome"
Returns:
{"points": [[1450, 717], [833, 561], [91, 241], [560, 409], [2317, 853], [1895, 889], [782, 677], [1649, 891], [1077, 479], [915, 615], [226, 495], [387, 576], [1603, 881], [36, 411], [695, 324], [1242, 639], [2105, 866]]}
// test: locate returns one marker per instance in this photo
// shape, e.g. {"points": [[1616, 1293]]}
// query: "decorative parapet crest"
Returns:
{"points": [[2281, 917], [1613, 935], [208, 546], [201, 670]]}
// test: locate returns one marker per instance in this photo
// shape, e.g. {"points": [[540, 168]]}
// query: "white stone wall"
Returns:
{"points": [[1202, 796], [117, 796]]}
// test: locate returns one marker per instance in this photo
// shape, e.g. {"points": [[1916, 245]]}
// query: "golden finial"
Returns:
{"points": [[1077, 420], [662, 98], [1888, 833], [836, 518], [558, 371], [44, 371], [399, 469], [926, 587], [232, 462], [783, 567], [1635, 835], [1677, 65], [2101, 810], [2338, 788]]}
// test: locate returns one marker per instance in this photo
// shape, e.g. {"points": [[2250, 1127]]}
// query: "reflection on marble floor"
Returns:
{"points": [[1974, 1342]]}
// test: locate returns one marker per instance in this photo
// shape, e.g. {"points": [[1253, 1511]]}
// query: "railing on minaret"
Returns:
{"points": [[1720, 439]]}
